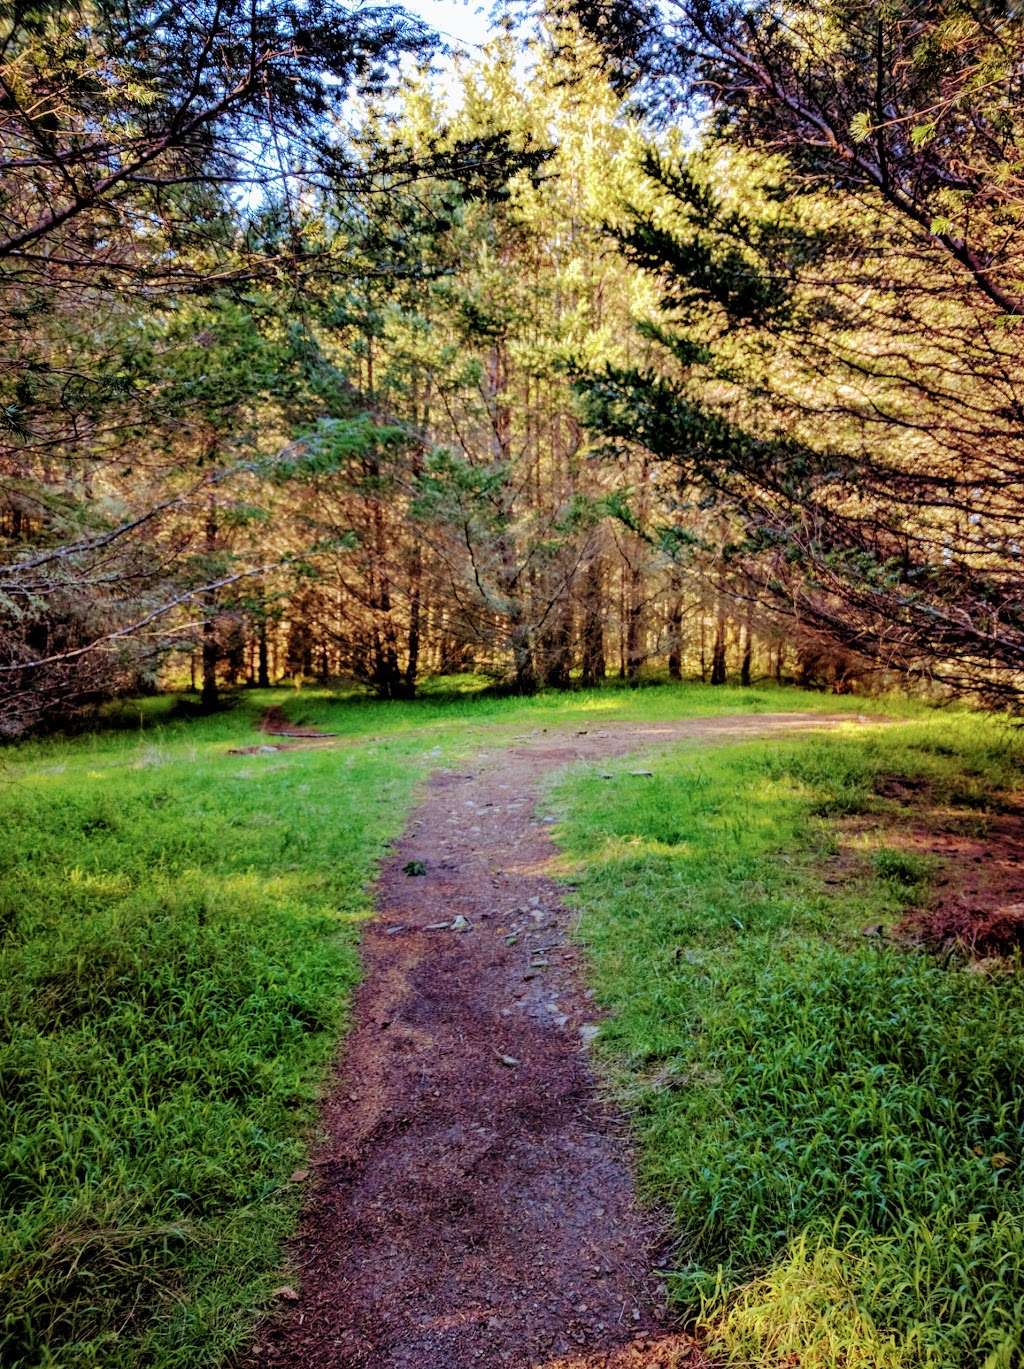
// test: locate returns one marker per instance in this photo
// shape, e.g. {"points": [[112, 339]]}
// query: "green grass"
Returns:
{"points": [[177, 945], [833, 1121]]}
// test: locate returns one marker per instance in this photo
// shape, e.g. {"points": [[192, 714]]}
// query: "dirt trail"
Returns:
{"points": [[276, 723], [472, 1206]]}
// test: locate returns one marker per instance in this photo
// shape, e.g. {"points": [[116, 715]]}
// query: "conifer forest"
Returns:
{"points": [[683, 338]]}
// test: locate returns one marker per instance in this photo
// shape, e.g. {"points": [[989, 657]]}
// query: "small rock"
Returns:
{"points": [[509, 1061], [287, 1292], [269, 751], [459, 924], [642, 775], [875, 929], [299, 1176], [437, 926], [589, 1031]]}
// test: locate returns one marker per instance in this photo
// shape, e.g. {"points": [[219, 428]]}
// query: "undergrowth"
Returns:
{"points": [[832, 1118]]}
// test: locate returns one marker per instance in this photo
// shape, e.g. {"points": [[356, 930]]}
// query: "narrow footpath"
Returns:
{"points": [[472, 1206]]}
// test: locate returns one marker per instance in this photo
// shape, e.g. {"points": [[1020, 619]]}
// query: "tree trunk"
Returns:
{"points": [[622, 620], [520, 638], [262, 669], [211, 649], [412, 654], [675, 632], [718, 670], [634, 610], [210, 696], [558, 663], [748, 651], [593, 658], [635, 653], [525, 678], [234, 657]]}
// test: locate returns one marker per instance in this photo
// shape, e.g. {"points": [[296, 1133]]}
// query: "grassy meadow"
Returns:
{"points": [[179, 930], [833, 1122], [832, 1119]]}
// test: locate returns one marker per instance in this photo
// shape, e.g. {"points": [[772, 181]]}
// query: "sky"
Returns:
{"points": [[460, 25]]}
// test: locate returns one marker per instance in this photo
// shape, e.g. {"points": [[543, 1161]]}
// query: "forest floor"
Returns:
{"points": [[782, 958]]}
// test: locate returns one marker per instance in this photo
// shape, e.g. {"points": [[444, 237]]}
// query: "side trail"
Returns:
{"points": [[472, 1206]]}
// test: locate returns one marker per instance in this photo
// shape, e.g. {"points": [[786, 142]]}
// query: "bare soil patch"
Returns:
{"points": [[977, 894], [979, 901], [276, 724], [471, 1205]]}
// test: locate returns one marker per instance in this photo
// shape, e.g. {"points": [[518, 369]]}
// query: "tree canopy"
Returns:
{"points": [[681, 336]]}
